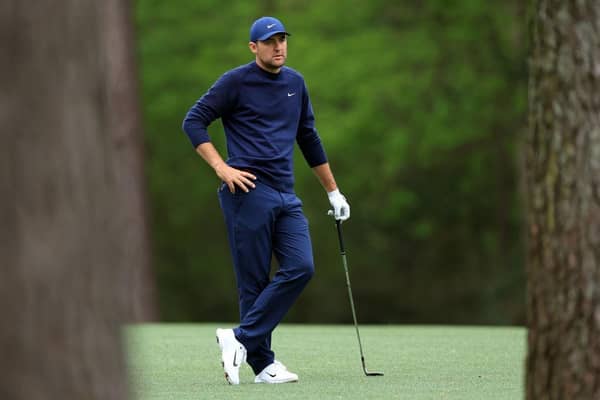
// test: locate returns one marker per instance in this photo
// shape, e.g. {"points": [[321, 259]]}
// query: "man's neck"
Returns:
{"points": [[265, 68]]}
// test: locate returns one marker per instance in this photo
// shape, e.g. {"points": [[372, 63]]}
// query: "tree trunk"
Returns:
{"points": [[73, 236], [563, 178], [124, 119]]}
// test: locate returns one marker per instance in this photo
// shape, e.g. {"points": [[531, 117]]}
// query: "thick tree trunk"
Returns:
{"points": [[124, 119], [563, 177], [73, 238]]}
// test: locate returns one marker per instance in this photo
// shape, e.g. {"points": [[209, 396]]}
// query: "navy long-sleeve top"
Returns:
{"points": [[263, 114]]}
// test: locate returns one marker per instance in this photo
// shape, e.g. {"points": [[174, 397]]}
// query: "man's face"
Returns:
{"points": [[271, 53]]}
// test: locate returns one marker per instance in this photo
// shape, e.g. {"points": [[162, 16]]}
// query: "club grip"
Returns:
{"points": [[338, 224]]}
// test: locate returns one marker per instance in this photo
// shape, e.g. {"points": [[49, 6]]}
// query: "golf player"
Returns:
{"points": [[265, 108]]}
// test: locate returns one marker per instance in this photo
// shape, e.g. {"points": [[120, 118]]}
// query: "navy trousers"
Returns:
{"points": [[262, 223]]}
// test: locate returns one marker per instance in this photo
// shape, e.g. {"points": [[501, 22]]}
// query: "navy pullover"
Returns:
{"points": [[263, 115]]}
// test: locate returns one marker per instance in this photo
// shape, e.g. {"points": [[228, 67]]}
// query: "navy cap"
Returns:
{"points": [[265, 27]]}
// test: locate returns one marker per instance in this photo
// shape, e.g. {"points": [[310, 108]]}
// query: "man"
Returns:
{"points": [[264, 108]]}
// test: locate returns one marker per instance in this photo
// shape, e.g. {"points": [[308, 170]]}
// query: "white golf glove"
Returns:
{"points": [[341, 208]]}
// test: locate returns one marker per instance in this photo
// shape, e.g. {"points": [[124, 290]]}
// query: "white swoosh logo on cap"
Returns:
{"points": [[270, 26]]}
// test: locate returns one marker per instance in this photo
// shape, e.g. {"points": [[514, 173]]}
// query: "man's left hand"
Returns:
{"points": [[341, 208]]}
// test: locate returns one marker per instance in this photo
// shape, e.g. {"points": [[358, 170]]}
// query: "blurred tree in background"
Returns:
{"points": [[420, 106], [74, 245]]}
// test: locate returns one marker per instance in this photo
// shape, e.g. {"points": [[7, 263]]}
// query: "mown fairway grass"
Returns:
{"points": [[182, 361]]}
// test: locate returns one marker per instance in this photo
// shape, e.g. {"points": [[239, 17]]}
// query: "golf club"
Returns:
{"points": [[338, 224]]}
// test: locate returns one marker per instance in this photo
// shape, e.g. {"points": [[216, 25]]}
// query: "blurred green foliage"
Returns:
{"points": [[420, 106]]}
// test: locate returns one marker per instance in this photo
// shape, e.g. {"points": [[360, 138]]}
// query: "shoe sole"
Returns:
{"points": [[275, 383]]}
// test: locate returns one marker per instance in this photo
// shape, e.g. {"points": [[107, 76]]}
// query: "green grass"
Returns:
{"points": [[176, 361]]}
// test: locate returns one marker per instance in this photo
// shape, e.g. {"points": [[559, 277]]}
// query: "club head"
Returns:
{"points": [[367, 373]]}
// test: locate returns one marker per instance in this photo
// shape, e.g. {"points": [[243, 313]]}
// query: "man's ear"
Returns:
{"points": [[252, 47]]}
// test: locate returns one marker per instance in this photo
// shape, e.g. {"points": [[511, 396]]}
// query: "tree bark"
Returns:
{"points": [[73, 238], [124, 119], [563, 178]]}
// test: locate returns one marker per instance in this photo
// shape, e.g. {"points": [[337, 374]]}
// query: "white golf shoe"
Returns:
{"points": [[275, 373], [233, 354]]}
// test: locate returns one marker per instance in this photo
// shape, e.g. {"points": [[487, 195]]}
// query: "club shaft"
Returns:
{"points": [[362, 357], [338, 224], [349, 286]]}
